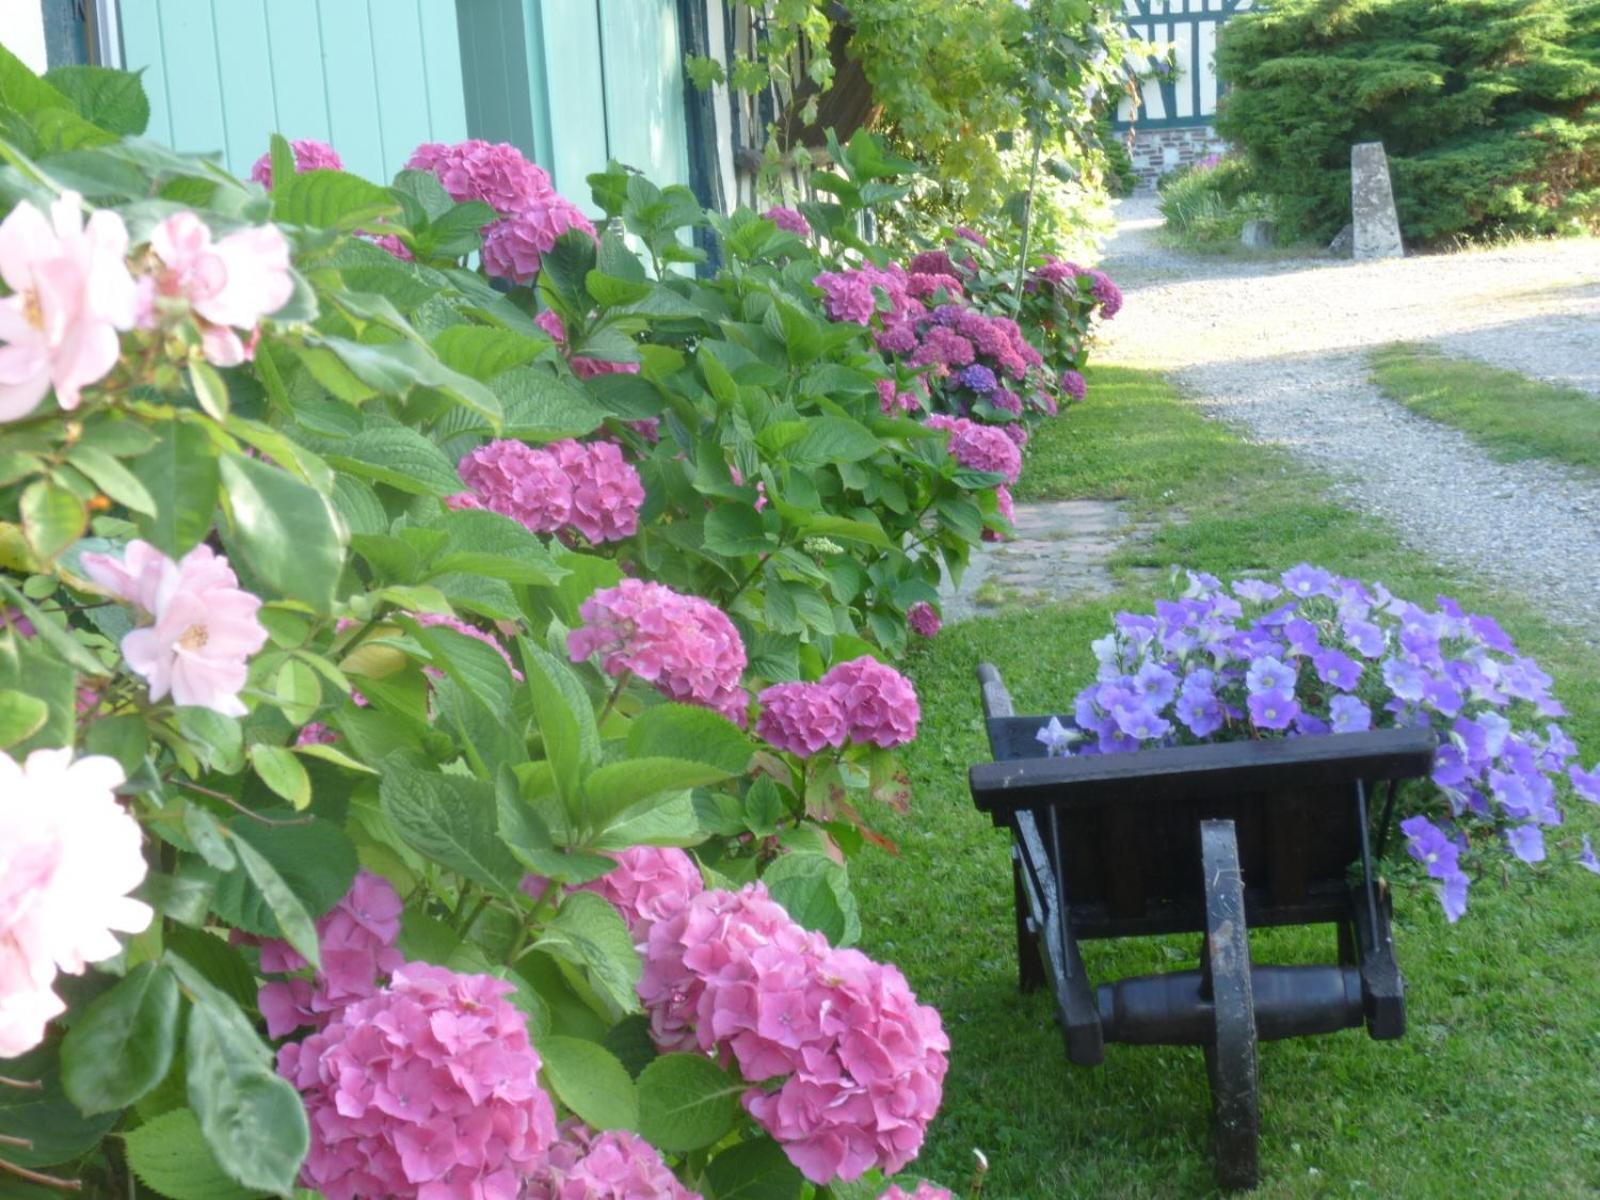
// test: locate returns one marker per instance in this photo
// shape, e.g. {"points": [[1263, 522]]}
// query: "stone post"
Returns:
{"points": [[1377, 227]]}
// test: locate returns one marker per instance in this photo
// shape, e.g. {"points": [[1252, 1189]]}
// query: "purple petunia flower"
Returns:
{"points": [[1273, 710], [1527, 843], [1302, 635], [1405, 679], [1337, 670], [1200, 710], [1306, 580], [1257, 591], [1453, 897], [1367, 638], [1349, 715], [1155, 685], [1267, 674], [1140, 722], [1587, 860], [1057, 738], [1585, 783]]}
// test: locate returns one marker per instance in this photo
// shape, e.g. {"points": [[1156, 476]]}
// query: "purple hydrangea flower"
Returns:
{"points": [[978, 378]]}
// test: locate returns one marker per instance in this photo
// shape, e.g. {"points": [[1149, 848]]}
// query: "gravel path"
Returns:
{"points": [[1280, 348]]}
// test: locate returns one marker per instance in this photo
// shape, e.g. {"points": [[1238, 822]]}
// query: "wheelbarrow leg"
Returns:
{"points": [[1231, 1057]]}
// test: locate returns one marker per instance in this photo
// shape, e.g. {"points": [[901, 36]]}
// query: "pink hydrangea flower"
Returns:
{"points": [[356, 940], [205, 627], [1002, 497], [848, 296], [69, 856], [933, 262], [497, 174], [1074, 385], [616, 1165], [315, 733], [649, 428], [924, 1191], [309, 155], [429, 1088], [980, 447], [70, 294], [649, 884], [228, 285], [583, 368], [391, 243], [788, 220], [517, 481], [515, 246], [879, 704], [923, 619], [1106, 293], [471, 631], [859, 1065], [971, 235], [606, 491], [1055, 271], [923, 285], [460, 501], [801, 718], [684, 646], [1017, 432]]}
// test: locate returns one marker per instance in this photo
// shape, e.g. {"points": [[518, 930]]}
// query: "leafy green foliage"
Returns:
{"points": [[1489, 110]]}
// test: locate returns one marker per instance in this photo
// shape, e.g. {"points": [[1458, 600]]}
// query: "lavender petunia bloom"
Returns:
{"points": [[1585, 783], [1453, 897], [1273, 710], [1306, 580], [1367, 638], [1267, 674], [1302, 635], [1057, 738], [1311, 726], [1349, 715], [1449, 768], [1431, 847], [1491, 635], [1140, 722], [1337, 669], [1527, 843], [1587, 860], [1442, 696], [1198, 709], [1156, 685], [1405, 679], [1114, 741], [1557, 743]]}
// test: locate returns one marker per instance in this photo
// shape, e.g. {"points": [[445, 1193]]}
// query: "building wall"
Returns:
{"points": [[22, 32], [1157, 152], [371, 77]]}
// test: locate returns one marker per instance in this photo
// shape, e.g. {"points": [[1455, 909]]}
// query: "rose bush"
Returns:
{"points": [[372, 669]]}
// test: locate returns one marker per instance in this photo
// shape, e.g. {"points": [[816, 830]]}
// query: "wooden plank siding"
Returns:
{"points": [[371, 77]]}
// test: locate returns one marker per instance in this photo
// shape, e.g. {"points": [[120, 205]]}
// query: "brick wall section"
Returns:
{"points": [[1155, 152]]}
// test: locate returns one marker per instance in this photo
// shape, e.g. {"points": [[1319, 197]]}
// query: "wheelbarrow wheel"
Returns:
{"points": [[1231, 1057]]}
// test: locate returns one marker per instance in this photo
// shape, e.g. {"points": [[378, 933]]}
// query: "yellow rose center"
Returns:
{"points": [[193, 637]]}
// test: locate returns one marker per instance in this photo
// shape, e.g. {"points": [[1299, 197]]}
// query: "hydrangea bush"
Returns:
{"points": [[377, 684], [1314, 654]]}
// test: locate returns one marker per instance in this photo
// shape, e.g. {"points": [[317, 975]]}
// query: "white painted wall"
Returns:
{"points": [[22, 31]]}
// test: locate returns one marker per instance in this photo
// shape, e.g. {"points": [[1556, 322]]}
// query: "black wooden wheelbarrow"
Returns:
{"points": [[1105, 846]]}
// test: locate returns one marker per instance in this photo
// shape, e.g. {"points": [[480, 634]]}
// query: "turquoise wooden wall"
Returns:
{"points": [[577, 82], [371, 77]]}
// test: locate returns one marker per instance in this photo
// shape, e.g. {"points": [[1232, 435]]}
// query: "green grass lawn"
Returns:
{"points": [[1495, 1090], [1513, 416]]}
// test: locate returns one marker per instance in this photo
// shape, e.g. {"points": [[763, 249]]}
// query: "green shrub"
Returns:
{"points": [[1206, 205], [1489, 110]]}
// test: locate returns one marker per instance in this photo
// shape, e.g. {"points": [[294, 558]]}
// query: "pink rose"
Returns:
{"points": [[228, 285]]}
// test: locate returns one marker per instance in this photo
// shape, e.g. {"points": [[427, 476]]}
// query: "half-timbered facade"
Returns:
{"points": [[1171, 126]]}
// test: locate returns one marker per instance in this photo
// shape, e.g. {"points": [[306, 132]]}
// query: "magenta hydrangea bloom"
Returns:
{"points": [[497, 174], [356, 939], [517, 481], [801, 718], [309, 155], [515, 246], [1074, 384], [980, 447], [606, 491], [471, 631], [848, 296], [924, 1191], [879, 704], [616, 1165], [861, 1063], [934, 262], [315, 733], [684, 646], [649, 884], [583, 368], [891, 400], [427, 1089], [971, 235], [788, 220], [1106, 294], [923, 619]]}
